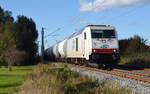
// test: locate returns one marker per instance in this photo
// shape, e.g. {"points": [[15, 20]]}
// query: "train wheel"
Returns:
{"points": [[100, 66], [86, 63], [108, 67]]}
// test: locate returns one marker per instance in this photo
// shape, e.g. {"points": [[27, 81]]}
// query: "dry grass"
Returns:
{"points": [[54, 79], [114, 88], [41, 81]]}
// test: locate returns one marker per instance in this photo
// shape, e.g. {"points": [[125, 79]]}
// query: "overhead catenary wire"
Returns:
{"points": [[51, 34], [78, 17], [122, 15]]}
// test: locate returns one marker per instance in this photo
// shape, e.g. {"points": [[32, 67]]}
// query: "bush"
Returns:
{"points": [[3, 64], [132, 45], [139, 60], [59, 79]]}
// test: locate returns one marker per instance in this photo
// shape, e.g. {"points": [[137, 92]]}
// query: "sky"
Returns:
{"points": [[61, 18]]}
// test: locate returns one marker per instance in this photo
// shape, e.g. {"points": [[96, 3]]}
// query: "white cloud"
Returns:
{"points": [[101, 5]]}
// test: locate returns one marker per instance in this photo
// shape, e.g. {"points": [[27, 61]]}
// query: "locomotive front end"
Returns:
{"points": [[104, 44]]}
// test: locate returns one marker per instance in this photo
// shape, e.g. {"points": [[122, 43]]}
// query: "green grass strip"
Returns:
{"points": [[9, 81]]}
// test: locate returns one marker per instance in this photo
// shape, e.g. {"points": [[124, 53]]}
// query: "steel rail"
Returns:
{"points": [[115, 73]]}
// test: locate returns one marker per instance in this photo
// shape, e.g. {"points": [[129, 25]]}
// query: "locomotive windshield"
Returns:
{"points": [[103, 34]]}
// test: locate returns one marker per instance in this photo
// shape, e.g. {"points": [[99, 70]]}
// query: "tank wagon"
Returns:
{"points": [[94, 44]]}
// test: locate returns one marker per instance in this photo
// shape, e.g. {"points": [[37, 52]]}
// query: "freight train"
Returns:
{"points": [[94, 44]]}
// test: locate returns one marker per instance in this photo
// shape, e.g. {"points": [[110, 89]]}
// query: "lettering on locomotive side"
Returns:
{"points": [[104, 46]]}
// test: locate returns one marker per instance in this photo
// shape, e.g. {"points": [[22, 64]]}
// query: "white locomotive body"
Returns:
{"points": [[95, 43]]}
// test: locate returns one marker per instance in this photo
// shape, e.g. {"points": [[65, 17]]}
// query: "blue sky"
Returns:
{"points": [[68, 16]]}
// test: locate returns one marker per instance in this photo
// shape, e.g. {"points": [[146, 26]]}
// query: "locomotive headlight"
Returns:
{"points": [[94, 50], [115, 50]]}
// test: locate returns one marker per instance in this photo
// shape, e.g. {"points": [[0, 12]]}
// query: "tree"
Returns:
{"points": [[19, 36], [132, 45], [136, 45], [14, 56], [8, 51], [7, 43], [5, 16], [26, 37], [123, 44]]}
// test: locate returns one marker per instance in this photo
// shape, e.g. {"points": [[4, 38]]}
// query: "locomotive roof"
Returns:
{"points": [[92, 27], [76, 33], [98, 25], [101, 27]]}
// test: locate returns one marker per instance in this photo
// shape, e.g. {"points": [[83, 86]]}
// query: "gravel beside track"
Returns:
{"points": [[134, 85]]}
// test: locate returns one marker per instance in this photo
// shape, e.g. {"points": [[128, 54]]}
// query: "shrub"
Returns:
{"points": [[139, 60], [55, 79]]}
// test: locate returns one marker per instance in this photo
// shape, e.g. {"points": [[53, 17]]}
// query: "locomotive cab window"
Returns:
{"points": [[103, 34]]}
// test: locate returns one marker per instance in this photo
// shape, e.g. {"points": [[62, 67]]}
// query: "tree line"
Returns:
{"points": [[18, 39], [133, 45]]}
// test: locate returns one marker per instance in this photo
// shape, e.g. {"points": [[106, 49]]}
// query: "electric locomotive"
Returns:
{"points": [[105, 48], [94, 44]]}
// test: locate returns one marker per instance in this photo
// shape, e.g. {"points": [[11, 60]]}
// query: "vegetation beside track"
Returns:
{"points": [[59, 79], [137, 59], [10, 81], [134, 52]]}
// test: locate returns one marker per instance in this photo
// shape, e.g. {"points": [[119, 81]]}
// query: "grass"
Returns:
{"points": [[9, 81], [137, 59], [59, 79]]}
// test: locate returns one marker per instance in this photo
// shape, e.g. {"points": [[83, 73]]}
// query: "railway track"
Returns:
{"points": [[139, 76], [147, 69]]}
